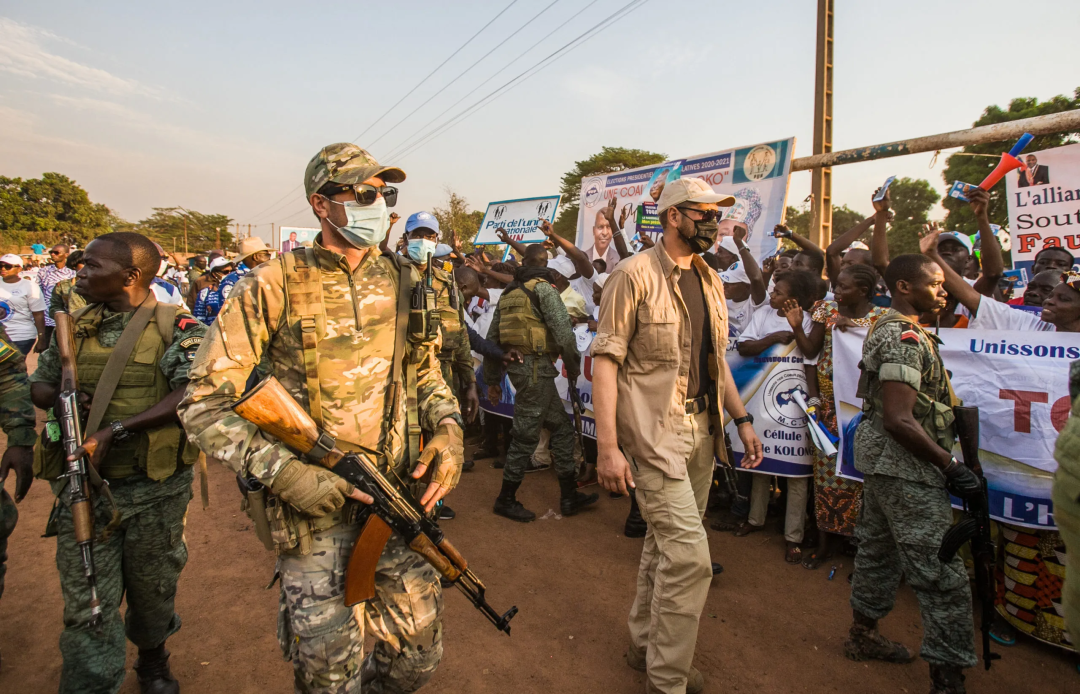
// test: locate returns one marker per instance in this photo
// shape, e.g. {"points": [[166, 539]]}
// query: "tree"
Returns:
{"points": [[52, 203], [458, 220], [843, 218], [168, 223], [911, 202], [608, 160], [973, 169]]}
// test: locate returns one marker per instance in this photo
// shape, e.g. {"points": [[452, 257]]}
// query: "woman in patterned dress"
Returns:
{"points": [[836, 500]]}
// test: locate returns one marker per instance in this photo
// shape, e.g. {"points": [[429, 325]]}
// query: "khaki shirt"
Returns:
{"points": [[645, 327]]}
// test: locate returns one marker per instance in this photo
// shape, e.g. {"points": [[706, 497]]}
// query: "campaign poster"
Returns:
{"points": [[520, 218], [295, 237], [1020, 383], [757, 176], [1044, 204]]}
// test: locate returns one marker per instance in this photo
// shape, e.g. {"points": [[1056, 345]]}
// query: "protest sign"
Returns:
{"points": [[294, 237], [1044, 203], [757, 176], [521, 219], [1020, 383]]}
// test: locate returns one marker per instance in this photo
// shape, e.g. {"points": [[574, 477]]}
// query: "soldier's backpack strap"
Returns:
{"points": [[303, 294], [407, 279], [165, 315]]}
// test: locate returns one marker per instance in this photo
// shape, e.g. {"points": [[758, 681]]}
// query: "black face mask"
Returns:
{"points": [[704, 235]]}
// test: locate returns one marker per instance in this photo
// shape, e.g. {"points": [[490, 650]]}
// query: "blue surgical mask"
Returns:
{"points": [[420, 249], [367, 224]]}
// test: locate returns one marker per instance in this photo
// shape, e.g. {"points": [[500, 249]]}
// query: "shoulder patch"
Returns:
{"points": [[189, 342], [185, 322], [909, 337]]}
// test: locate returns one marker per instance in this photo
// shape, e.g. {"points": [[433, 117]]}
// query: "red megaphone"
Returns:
{"points": [[1008, 163]]}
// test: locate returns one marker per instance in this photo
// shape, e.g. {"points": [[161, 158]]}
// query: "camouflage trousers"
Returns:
{"points": [[537, 404], [324, 639], [1067, 517], [140, 562], [9, 516], [899, 529]]}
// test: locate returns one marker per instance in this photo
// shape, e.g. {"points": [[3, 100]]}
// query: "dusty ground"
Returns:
{"points": [[767, 627]]}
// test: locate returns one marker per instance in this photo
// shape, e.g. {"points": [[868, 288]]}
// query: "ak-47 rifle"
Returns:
{"points": [[78, 470], [975, 528], [587, 469], [270, 407]]}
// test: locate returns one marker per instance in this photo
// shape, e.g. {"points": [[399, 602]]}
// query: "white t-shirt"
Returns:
{"points": [[767, 321], [994, 315], [584, 287], [483, 314], [168, 294], [18, 302], [739, 314]]}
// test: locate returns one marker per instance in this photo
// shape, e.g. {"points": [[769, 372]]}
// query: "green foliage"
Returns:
{"points": [[53, 203], [608, 160], [799, 221], [169, 223], [457, 220], [973, 170], [912, 199]]}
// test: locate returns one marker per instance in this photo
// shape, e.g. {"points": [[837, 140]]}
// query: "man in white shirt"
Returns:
{"points": [[744, 285], [22, 306]]}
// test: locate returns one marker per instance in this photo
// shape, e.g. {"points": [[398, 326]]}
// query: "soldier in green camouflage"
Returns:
{"points": [[135, 442], [1067, 502], [328, 317], [532, 318], [904, 448], [17, 421], [64, 296]]}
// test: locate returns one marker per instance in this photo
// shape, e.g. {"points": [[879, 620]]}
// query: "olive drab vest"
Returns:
{"points": [[142, 385], [520, 325], [936, 398]]}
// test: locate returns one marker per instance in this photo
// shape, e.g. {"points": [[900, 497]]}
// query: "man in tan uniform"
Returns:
{"points": [[658, 360]]}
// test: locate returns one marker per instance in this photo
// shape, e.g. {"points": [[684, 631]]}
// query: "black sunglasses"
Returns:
{"points": [[706, 215], [365, 194], [55, 252], [8, 266]]}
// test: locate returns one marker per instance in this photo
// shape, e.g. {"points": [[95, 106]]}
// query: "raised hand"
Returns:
{"points": [[739, 234], [779, 231], [883, 204], [646, 241], [503, 236], [394, 217], [979, 200], [547, 228], [609, 213], [794, 313], [929, 238], [624, 213], [768, 266]]}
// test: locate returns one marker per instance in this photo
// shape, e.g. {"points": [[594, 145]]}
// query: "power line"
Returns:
{"points": [[621, 13], [409, 139], [410, 92], [463, 73]]}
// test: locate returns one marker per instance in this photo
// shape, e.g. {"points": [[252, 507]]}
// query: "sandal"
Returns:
{"points": [[793, 554], [745, 528], [814, 561], [726, 523]]}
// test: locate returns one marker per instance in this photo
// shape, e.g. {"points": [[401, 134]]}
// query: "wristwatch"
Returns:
{"points": [[119, 433], [748, 419], [741, 245]]}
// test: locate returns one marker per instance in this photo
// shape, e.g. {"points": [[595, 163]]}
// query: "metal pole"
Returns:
{"points": [[185, 235], [821, 179], [1065, 121]]}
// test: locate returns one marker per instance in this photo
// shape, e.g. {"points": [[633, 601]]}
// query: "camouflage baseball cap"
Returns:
{"points": [[346, 163]]}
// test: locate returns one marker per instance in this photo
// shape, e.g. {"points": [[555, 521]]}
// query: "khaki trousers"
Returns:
{"points": [[675, 571], [794, 516]]}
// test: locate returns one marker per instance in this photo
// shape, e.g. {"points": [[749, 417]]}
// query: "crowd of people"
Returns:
{"points": [[378, 346]]}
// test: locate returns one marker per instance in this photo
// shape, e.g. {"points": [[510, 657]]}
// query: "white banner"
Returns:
{"points": [[757, 176], [520, 218], [1020, 383], [1044, 204]]}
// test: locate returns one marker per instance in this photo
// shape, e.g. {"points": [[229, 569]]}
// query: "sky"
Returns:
{"points": [[218, 107]]}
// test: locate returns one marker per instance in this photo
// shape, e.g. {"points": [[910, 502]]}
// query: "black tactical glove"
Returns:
{"points": [[961, 481]]}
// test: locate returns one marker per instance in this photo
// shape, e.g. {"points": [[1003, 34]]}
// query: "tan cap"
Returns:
{"points": [[690, 190], [250, 246]]}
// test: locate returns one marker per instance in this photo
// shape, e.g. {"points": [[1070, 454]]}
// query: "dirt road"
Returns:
{"points": [[767, 627]]}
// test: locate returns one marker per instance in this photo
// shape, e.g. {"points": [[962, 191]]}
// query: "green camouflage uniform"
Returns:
{"points": [[65, 298], [317, 632], [906, 509], [455, 356], [537, 402], [141, 560], [1067, 503], [17, 421]]}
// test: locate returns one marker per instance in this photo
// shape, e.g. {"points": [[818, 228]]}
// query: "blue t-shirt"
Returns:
{"points": [[38, 248]]}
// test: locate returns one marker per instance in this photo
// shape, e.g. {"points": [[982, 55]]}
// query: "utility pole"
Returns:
{"points": [[272, 243], [217, 238], [185, 236], [821, 178]]}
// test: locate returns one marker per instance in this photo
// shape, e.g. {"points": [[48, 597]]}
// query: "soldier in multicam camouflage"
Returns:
{"points": [[17, 421], [332, 320], [903, 446], [138, 351]]}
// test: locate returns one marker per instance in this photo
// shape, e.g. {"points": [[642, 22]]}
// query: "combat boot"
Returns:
{"points": [[508, 506], [572, 500], [946, 679], [695, 681], [866, 643], [635, 525], [152, 667]]}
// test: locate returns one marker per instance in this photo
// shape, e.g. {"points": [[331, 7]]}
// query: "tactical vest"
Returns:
{"points": [[450, 324], [519, 324], [936, 398]]}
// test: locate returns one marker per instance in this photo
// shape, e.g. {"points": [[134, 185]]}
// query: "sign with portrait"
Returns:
{"points": [[520, 218], [1044, 199], [295, 237]]}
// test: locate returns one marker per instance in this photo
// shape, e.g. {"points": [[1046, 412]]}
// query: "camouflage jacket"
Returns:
{"points": [[16, 410], [355, 364], [65, 298], [455, 340], [558, 322]]}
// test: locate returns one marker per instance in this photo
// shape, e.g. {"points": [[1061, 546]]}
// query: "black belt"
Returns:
{"points": [[697, 405]]}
